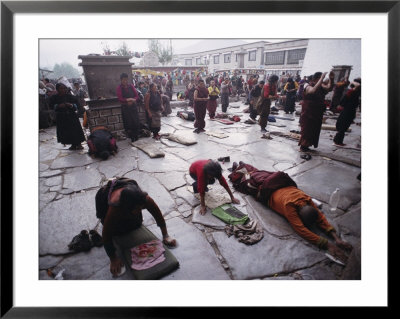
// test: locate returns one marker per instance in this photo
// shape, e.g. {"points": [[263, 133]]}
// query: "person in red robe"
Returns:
{"points": [[313, 109]]}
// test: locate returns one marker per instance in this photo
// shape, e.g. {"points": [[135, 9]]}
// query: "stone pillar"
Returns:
{"points": [[341, 71], [102, 75]]}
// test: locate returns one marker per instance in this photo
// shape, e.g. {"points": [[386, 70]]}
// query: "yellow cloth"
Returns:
{"points": [[212, 91]]}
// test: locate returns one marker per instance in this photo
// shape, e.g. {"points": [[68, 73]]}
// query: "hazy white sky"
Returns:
{"points": [[52, 51]]}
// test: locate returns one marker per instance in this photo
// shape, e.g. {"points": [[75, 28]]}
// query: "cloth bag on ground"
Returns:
{"points": [[230, 215]]}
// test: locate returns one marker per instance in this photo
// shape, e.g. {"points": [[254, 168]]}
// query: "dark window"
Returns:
{"points": [[236, 57], [216, 59], [294, 56], [227, 58], [275, 58], [252, 55], [188, 62], [198, 61]]}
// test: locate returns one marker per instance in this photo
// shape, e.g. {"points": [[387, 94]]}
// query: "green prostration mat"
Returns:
{"points": [[230, 215], [140, 236]]}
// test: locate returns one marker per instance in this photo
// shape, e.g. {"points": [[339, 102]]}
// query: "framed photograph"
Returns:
{"points": [[262, 36]]}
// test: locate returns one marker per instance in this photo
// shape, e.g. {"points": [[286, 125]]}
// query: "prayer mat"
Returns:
{"points": [[216, 134], [149, 148], [329, 127], [185, 140], [230, 215], [227, 122], [140, 236]]}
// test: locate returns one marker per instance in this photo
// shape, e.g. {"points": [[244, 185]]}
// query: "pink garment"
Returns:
{"points": [[147, 255]]}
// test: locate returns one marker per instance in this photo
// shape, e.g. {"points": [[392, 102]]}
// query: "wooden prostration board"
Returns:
{"points": [[149, 148]]}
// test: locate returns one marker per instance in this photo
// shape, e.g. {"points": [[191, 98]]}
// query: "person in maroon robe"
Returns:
{"points": [[200, 107], [313, 109]]}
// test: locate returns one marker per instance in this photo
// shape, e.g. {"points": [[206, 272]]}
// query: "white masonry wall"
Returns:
{"points": [[322, 54]]}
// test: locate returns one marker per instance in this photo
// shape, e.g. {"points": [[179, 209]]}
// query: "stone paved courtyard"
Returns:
{"points": [[69, 180]]}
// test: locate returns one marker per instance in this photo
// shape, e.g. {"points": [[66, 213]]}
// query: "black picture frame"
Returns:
{"points": [[9, 8]]}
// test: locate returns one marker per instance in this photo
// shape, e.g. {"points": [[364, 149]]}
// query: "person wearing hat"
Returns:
{"points": [[349, 103]]}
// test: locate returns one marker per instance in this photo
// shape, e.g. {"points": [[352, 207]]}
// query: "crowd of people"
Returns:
{"points": [[122, 206]]}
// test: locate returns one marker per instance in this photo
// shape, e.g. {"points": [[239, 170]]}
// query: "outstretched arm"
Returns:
{"points": [[155, 211]]}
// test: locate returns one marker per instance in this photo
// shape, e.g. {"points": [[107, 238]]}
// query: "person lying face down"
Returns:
{"points": [[101, 143], [204, 172], [279, 192], [123, 214]]}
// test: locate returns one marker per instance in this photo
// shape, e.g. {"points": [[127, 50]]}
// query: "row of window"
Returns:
{"points": [[271, 58], [227, 58], [276, 58]]}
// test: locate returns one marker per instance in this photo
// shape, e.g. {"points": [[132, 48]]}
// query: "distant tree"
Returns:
{"points": [[65, 69], [123, 50], [164, 53], [106, 48]]}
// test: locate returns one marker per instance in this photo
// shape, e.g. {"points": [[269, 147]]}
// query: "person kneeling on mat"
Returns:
{"points": [[119, 206], [204, 172]]}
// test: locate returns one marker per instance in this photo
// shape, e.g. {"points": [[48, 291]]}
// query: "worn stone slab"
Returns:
{"points": [[265, 258], [80, 179], [66, 191], [50, 173], [166, 164], [185, 210], [195, 255], [276, 151], [183, 193], [325, 270], [47, 262], [305, 166], [73, 160], [332, 174], [283, 166], [239, 139], [207, 219], [53, 181], [43, 167], [349, 224], [61, 220], [171, 180], [156, 191], [47, 153], [45, 198], [84, 265], [117, 166]]}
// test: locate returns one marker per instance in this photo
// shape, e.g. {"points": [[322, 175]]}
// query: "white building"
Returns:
{"points": [[323, 54], [272, 57], [300, 56]]}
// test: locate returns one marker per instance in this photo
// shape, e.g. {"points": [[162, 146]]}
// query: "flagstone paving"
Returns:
{"points": [[68, 181]]}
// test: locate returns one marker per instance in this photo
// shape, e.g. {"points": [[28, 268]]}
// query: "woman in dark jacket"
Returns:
{"points": [[69, 129]]}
